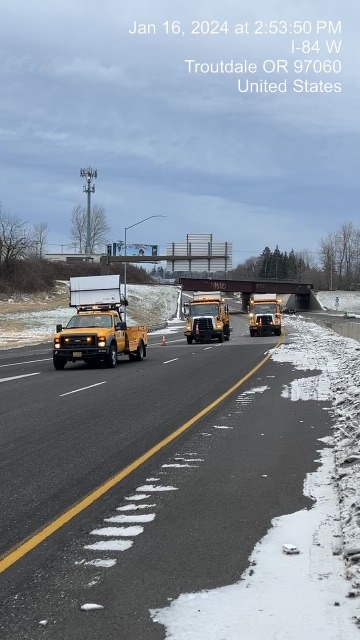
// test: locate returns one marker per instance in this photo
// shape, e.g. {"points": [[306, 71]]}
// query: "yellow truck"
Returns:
{"points": [[97, 332], [207, 318], [264, 314]]}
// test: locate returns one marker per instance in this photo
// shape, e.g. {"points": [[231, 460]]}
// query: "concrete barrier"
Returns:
{"points": [[343, 328], [157, 327]]}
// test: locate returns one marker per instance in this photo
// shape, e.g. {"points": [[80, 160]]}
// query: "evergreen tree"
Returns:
{"points": [[292, 270], [265, 262], [285, 267], [275, 268]]}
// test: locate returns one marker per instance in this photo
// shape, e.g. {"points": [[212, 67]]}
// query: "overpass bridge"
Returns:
{"points": [[301, 295]]}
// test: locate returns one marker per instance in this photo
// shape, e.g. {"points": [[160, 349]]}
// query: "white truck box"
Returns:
{"points": [[91, 290], [263, 296], [208, 295]]}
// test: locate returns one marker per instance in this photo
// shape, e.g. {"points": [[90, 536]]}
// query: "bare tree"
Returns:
{"points": [[39, 237], [15, 238], [99, 227], [327, 258], [344, 247], [78, 227]]}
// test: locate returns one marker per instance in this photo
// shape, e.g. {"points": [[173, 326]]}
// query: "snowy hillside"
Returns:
{"points": [[347, 300], [147, 304]]}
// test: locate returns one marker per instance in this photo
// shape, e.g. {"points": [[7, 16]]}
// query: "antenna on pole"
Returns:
{"points": [[89, 174]]}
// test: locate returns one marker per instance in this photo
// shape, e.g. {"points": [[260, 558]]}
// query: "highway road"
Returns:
{"points": [[192, 452]]}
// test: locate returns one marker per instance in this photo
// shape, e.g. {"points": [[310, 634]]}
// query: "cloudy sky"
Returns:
{"points": [[253, 169]]}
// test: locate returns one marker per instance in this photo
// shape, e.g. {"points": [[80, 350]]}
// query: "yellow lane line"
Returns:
{"points": [[28, 545]]}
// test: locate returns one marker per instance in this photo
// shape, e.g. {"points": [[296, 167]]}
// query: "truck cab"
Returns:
{"points": [[264, 315], [208, 318], [97, 333]]}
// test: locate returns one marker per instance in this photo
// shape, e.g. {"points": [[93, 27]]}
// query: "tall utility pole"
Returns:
{"points": [[88, 188]]}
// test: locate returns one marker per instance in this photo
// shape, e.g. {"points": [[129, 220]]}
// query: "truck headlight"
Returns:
{"points": [[102, 342], [57, 345]]}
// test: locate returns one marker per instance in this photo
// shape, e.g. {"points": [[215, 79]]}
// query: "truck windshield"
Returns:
{"points": [[79, 322], [204, 310], [264, 308]]}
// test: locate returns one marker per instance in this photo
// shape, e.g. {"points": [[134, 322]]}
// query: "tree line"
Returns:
{"points": [[19, 240], [336, 264]]}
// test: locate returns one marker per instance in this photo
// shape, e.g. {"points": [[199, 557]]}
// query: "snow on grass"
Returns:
{"points": [[148, 304], [347, 300]]}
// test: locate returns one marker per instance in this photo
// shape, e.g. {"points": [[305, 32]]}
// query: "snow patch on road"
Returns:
{"points": [[280, 596], [110, 545]]}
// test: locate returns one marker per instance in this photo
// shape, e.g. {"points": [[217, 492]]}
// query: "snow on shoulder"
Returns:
{"points": [[307, 580]]}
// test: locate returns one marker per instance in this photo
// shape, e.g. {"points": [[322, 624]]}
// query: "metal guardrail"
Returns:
{"points": [[160, 325]]}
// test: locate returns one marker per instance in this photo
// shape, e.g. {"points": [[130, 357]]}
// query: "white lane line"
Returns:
{"points": [[206, 348], [155, 344], [26, 375], [14, 364], [82, 389], [173, 360]]}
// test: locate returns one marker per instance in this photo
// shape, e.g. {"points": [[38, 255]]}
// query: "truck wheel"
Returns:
{"points": [[139, 354], [221, 337], [227, 334], [59, 363], [189, 339], [111, 358], [252, 333]]}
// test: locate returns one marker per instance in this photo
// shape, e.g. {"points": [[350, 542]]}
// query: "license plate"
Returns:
{"points": [[77, 354]]}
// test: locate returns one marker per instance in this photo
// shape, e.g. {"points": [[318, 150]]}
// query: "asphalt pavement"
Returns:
{"points": [[234, 465]]}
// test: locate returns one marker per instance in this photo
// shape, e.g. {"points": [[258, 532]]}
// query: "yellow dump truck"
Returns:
{"points": [[264, 314], [97, 332], [207, 318]]}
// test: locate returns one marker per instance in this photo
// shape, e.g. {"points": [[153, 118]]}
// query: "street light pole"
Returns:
{"points": [[89, 174], [125, 254]]}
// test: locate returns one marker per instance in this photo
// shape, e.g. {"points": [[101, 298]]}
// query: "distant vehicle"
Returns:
{"points": [[207, 318], [289, 310], [264, 314], [349, 314]]}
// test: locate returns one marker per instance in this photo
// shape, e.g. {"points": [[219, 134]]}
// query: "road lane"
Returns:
{"points": [[202, 533], [55, 450]]}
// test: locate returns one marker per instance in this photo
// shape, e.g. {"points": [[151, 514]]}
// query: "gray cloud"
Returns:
{"points": [[252, 169]]}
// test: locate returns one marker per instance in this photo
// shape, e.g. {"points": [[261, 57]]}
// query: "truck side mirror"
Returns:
{"points": [[120, 326], [59, 328]]}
